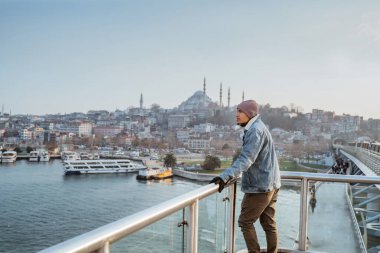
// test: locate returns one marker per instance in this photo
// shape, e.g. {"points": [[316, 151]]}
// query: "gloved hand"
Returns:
{"points": [[220, 182]]}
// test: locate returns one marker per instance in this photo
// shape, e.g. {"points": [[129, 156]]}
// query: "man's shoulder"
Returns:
{"points": [[258, 124]]}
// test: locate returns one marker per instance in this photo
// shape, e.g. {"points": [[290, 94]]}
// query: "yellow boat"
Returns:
{"points": [[155, 172]]}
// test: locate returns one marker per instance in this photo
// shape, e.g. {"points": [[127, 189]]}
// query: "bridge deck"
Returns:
{"points": [[367, 171], [330, 228]]}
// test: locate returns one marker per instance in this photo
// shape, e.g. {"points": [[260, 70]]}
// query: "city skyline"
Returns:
{"points": [[76, 56]]}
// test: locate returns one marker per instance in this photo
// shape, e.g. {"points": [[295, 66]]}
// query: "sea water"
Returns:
{"points": [[40, 207]]}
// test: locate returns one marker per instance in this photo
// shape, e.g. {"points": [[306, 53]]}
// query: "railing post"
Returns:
{"points": [[230, 247], [192, 237], [104, 249], [302, 240]]}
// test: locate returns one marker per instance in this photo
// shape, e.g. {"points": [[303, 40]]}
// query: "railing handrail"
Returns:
{"points": [[330, 177], [114, 231], [105, 235]]}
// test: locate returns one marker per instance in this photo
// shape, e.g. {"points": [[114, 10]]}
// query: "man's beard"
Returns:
{"points": [[242, 124]]}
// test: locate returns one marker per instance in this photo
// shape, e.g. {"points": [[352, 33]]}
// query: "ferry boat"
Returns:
{"points": [[155, 172], [77, 167], [9, 157]]}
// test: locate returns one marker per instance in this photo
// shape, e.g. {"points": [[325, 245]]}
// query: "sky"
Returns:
{"points": [[63, 56]]}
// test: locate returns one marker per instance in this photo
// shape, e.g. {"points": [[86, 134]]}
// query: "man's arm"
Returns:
{"points": [[252, 145]]}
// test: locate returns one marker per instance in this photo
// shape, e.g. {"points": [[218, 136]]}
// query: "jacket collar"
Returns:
{"points": [[250, 122]]}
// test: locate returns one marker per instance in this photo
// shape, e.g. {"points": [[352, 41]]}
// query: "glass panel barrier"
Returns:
{"points": [[300, 211], [287, 217], [212, 233], [165, 235]]}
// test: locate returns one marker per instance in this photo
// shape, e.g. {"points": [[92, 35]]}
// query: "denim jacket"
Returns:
{"points": [[257, 160]]}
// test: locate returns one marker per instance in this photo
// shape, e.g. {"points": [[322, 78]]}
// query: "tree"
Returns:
{"points": [[236, 154], [136, 142], [211, 162], [51, 146], [225, 146], [170, 160], [18, 149], [28, 149]]}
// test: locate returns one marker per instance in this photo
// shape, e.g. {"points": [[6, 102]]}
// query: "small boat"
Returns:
{"points": [[9, 157], [85, 156], [34, 156], [69, 156], [77, 167], [44, 156], [39, 156], [155, 172]]}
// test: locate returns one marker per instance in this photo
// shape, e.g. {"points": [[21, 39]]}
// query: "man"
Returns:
{"points": [[260, 181]]}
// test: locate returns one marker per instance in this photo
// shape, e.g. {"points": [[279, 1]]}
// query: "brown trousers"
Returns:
{"points": [[263, 206]]}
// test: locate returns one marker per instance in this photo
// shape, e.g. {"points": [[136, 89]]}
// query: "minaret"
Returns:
{"points": [[204, 85], [141, 101], [229, 97], [2, 110], [242, 97], [220, 96]]}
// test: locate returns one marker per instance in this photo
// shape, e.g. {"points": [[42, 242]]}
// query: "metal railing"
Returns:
{"points": [[100, 239], [370, 158]]}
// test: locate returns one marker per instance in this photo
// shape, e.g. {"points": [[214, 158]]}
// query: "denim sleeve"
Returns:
{"points": [[252, 144]]}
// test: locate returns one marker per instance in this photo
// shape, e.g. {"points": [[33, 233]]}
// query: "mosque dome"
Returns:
{"points": [[199, 100]]}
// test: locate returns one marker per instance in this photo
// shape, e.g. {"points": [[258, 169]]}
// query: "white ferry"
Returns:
{"points": [[77, 167], [9, 157]]}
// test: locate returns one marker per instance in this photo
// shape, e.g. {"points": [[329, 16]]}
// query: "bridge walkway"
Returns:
{"points": [[330, 227]]}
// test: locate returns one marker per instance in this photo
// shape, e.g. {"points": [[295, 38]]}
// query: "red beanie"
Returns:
{"points": [[249, 107]]}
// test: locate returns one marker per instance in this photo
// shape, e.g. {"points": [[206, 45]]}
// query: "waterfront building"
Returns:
{"points": [[178, 121], [107, 130], [38, 134], [183, 135], [199, 144], [85, 129], [204, 128], [26, 134], [316, 115]]}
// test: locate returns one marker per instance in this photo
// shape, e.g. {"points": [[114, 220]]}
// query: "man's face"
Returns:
{"points": [[241, 117]]}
